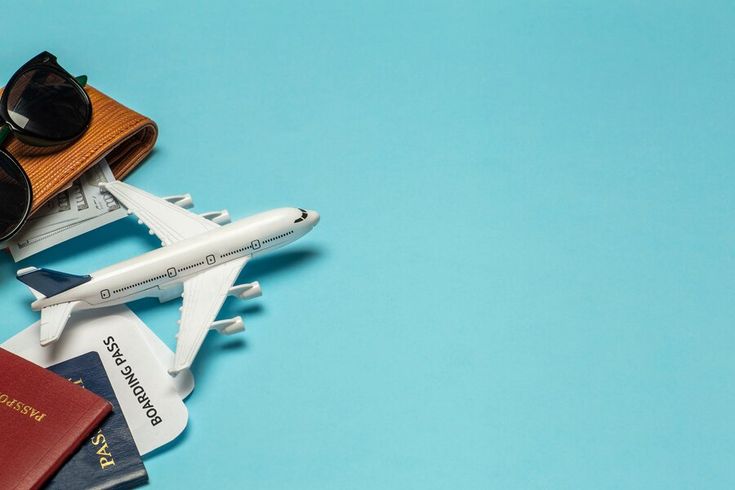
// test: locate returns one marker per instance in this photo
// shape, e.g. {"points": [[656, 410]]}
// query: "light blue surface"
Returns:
{"points": [[523, 275]]}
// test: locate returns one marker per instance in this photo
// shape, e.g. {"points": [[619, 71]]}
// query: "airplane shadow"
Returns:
{"points": [[263, 267], [216, 344], [277, 263], [280, 262], [180, 439]]}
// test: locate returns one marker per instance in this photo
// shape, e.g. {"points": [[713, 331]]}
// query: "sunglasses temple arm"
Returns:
{"points": [[81, 80]]}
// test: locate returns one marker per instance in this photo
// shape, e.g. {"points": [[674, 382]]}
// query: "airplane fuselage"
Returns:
{"points": [[161, 272]]}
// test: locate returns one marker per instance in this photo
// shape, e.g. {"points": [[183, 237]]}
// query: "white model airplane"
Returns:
{"points": [[199, 258]]}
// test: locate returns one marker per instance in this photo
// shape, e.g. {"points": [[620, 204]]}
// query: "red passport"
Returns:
{"points": [[43, 420]]}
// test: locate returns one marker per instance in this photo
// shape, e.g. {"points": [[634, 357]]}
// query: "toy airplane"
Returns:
{"points": [[198, 257]]}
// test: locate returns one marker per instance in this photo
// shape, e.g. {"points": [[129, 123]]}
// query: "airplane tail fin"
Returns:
{"points": [[47, 282]]}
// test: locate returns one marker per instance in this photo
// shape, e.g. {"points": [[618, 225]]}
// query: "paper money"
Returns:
{"points": [[79, 209]]}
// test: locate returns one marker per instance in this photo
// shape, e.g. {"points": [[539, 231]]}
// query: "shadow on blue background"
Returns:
{"points": [[523, 275]]}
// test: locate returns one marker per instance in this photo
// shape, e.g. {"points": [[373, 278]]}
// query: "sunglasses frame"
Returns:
{"points": [[45, 61], [29, 189]]}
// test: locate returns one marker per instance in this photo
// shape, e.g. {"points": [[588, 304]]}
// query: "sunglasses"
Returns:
{"points": [[41, 105]]}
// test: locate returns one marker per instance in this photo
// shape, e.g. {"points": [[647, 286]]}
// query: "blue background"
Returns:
{"points": [[523, 276]]}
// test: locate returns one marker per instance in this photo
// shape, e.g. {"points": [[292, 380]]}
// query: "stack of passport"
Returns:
{"points": [[64, 430]]}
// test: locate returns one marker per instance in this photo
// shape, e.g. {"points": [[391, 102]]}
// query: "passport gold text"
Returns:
{"points": [[20, 407]]}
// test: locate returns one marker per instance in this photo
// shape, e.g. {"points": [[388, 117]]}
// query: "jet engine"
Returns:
{"points": [[219, 217], [181, 200], [229, 326], [246, 291]]}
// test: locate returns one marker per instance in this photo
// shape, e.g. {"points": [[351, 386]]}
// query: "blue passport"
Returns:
{"points": [[109, 458]]}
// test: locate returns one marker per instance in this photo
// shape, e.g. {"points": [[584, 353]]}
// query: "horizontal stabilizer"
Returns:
{"points": [[49, 282], [53, 321]]}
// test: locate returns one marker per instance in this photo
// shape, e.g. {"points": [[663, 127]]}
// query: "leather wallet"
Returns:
{"points": [[116, 132]]}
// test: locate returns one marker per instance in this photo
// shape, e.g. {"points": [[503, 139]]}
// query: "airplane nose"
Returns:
{"points": [[315, 216]]}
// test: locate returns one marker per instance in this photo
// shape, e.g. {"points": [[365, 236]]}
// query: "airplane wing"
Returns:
{"points": [[53, 321], [168, 221], [204, 295]]}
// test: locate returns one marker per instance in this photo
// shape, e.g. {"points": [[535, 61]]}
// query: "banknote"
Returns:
{"points": [[79, 209]]}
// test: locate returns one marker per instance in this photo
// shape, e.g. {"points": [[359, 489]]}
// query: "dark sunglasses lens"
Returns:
{"points": [[48, 104], [15, 196]]}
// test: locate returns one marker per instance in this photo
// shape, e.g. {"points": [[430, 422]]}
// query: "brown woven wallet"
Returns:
{"points": [[116, 132]]}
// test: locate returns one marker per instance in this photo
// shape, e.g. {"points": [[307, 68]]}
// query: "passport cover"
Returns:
{"points": [[43, 420], [109, 459]]}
